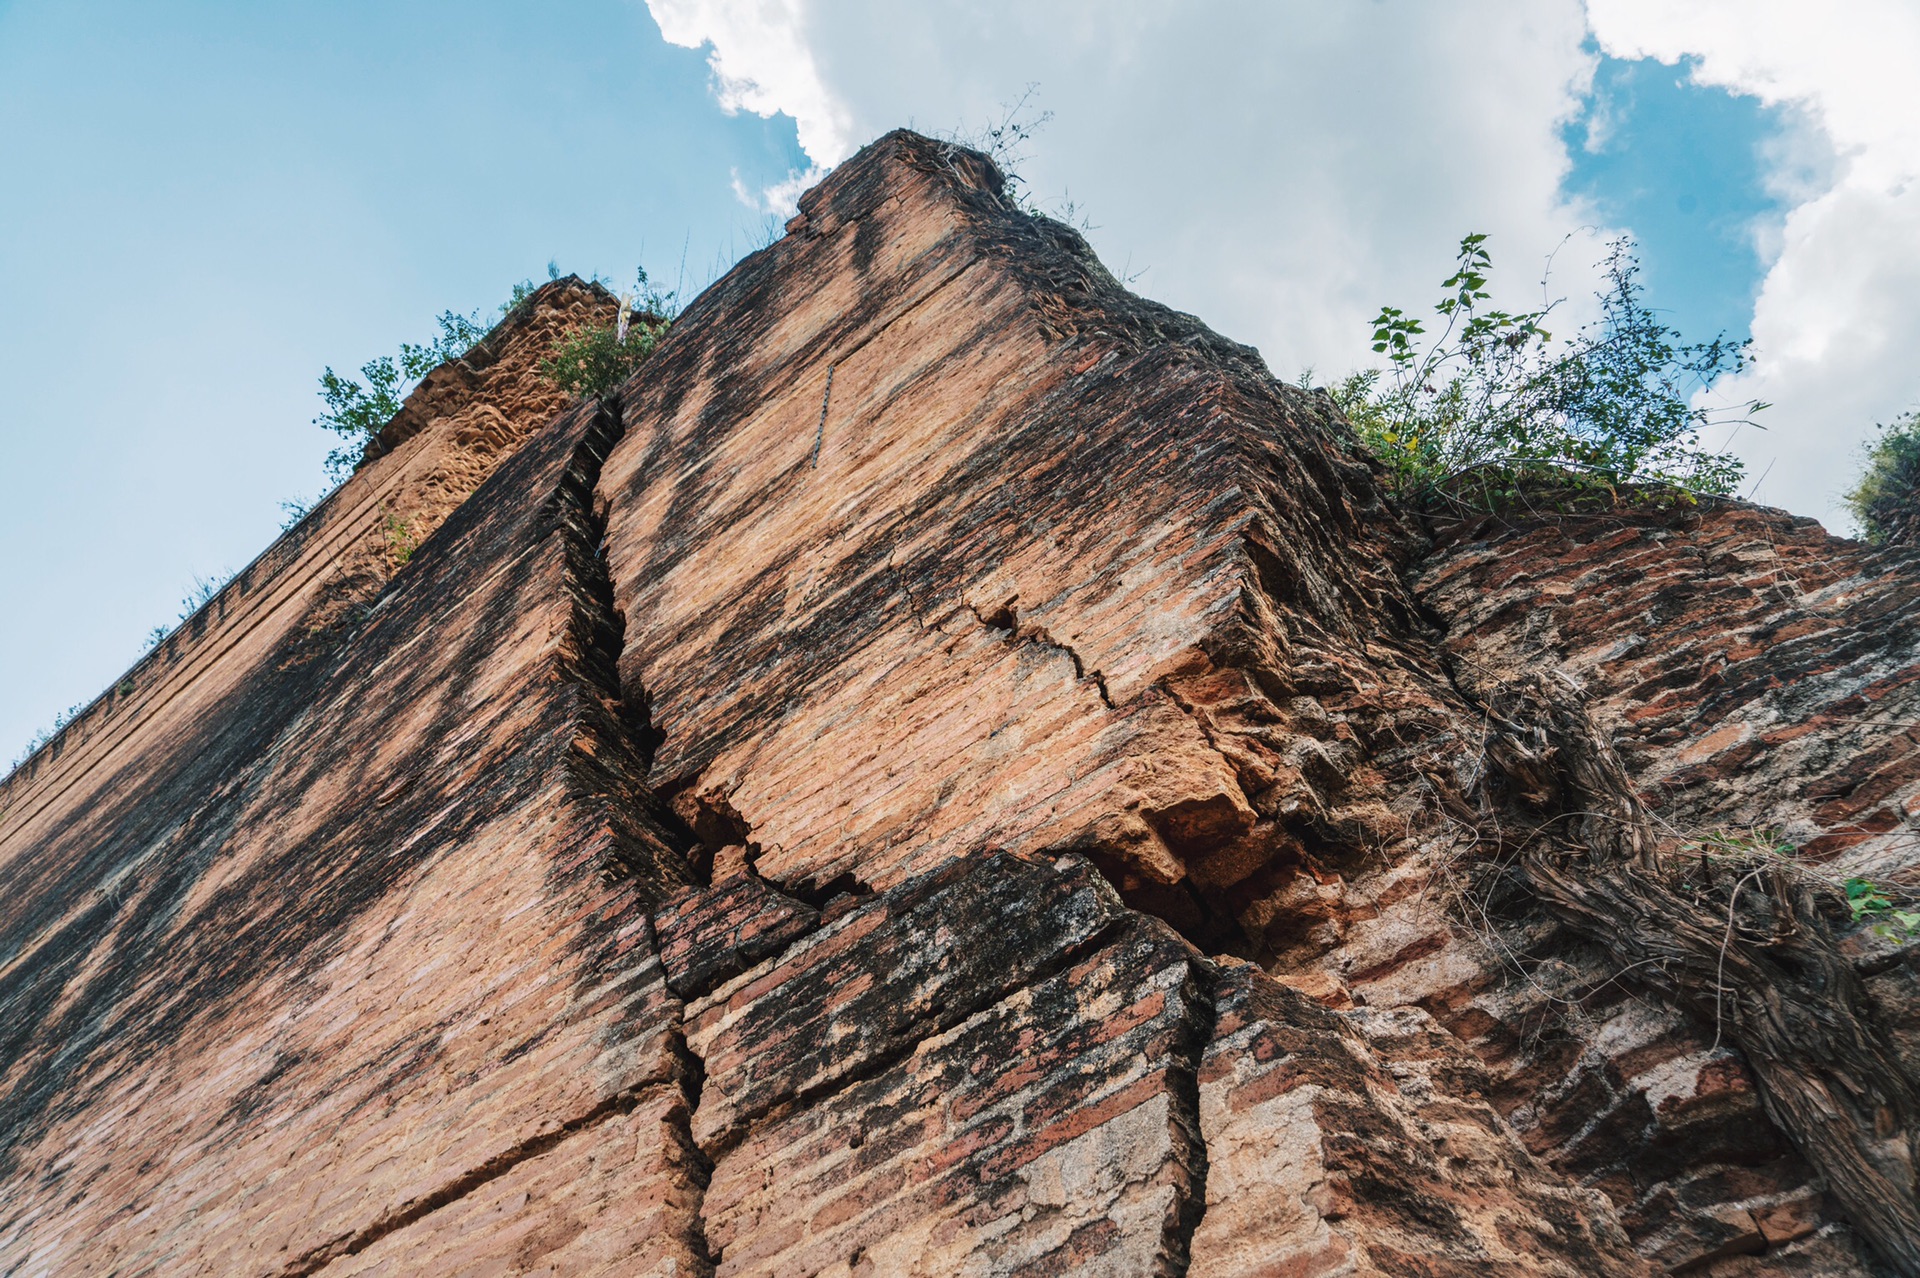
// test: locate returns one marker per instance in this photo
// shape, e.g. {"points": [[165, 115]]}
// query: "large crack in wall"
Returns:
{"points": [[634, 839]]}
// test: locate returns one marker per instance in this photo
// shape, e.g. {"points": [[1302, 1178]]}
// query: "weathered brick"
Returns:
{"points": [[892, 970], [946, 1161], [932, 561], [706, 935], [1320, 1163]]}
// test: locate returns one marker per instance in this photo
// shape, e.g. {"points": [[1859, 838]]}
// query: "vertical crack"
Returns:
{"points": [[609, 762], [906, 588], [820, 431], [614, 747], [1191, 1207], [693, 1084]]}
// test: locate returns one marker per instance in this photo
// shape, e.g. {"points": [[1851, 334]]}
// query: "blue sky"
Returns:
{"points": [[201, 205], [1680, 165], [204, 204]]}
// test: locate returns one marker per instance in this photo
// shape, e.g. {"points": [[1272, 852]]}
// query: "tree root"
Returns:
{"points": [[1759, 962]]}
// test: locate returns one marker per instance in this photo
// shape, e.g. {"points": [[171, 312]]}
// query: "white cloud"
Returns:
{"points": [[1279, 168], [762, 62], [782, 199], [1282, 167], [1838, 317]]}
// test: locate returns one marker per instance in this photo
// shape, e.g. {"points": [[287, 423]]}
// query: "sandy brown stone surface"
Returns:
{"points": [[954, 770]]}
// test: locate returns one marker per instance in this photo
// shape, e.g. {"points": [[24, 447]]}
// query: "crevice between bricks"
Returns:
{"points": [[605, 767], [621, 726], [1005, 618], [920, 1030], [913, 602], [614, 747], [744, 952], [820, 431], [1177, 1247], [459, 1187], [693, 1085], [713, 824]]}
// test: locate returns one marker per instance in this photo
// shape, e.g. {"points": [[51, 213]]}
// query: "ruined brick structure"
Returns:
{"points": [[954, 770]]}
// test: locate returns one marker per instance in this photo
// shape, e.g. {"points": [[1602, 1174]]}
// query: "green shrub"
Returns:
{"points": [[400, 542], [527, 288], [1886, 500], [357, 410], [589, 362], [292, 512], [1491, 407], [597, 359]]}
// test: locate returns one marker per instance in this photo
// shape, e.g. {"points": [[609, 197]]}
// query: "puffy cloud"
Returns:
{"points": [[1279, 168], [1838, 315], [1282, 167], [762, 63]]}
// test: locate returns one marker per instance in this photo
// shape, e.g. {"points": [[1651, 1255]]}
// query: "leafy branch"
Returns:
{"points": [[1868, 901], [1490, 404], [356, 410]]}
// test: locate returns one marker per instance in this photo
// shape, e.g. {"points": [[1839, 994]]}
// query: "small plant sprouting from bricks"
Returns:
{"points": [[1746, 843], [1886, 500], [1746, 853], [45, 735], [297, 509], [1870, 902], [400, 542], [595, 360], [1489, 410], [204, 589], [1005, 140], [525, 289]]}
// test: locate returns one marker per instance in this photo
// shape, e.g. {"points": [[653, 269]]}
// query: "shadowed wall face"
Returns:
{"points": [[385, 943]]}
